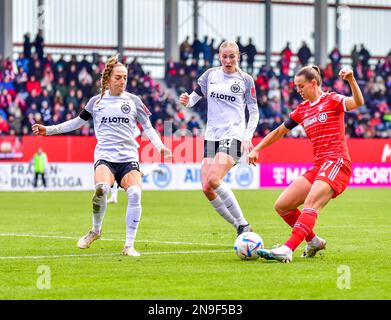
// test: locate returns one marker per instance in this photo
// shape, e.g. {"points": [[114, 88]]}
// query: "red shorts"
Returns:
{"points": [[335, 172]]}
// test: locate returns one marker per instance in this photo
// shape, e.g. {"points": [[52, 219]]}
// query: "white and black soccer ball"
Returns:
{"points": [[247, 244]]}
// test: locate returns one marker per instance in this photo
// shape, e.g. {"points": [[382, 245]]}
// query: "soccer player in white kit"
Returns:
{"points": [[144, 172], [115, 113], [228, 91]]}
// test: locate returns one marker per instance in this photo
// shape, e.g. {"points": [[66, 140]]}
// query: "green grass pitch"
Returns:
{"points": [[187, 249]]}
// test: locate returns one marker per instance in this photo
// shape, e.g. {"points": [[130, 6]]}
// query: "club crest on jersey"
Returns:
{"points": [[322, 117], [125, 108], [235, 88]]}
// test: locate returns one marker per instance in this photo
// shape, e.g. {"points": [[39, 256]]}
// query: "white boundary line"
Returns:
{"points": [[113, 254], [108, 239], [109, 254]]}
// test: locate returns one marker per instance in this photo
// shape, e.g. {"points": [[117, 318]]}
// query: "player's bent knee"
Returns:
{"points": [[101, 189], [213, 181], [207, 189], [134, 195]]}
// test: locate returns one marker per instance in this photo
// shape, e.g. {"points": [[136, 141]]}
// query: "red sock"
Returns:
{"points": [[303, 226], [290, 217]]}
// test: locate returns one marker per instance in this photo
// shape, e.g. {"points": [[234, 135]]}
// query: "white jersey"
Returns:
{"points": [[228, 95], [115, 121]]}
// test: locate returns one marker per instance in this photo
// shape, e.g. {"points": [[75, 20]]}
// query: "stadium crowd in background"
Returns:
{"points": [[35, 88]]}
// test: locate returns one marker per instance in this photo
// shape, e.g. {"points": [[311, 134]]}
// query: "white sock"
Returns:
{"points": [[223, 211], [114, 192], [99, 205], [133, 214], [229, 200]]}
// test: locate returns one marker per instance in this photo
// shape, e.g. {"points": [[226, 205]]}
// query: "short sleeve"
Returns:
{"points": [[250, 96], [294, 115], [143, 113], [203, 81], [339, 101], [90, 104]]}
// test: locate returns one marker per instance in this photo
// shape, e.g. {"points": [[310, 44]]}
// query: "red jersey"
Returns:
{"points": [[323, 122]]}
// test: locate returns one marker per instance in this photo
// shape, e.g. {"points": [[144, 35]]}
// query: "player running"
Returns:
{"points": [[322, 116], [115, 113], [228, 91]]}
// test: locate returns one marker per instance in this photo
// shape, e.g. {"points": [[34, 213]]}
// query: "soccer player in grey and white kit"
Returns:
{"points": [[228, 91], [115, 113]]}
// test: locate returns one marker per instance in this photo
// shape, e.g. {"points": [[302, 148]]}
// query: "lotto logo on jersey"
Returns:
{"points": [[114, 120], [222, 96]]}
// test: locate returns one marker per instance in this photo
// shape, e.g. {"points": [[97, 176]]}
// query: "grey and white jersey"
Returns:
{"points": [[115, 119], [228, 95]]}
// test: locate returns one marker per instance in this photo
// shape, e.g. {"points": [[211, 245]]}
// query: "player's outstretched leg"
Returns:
{"points": [[232, 205], [133, 214], [99, 205]]}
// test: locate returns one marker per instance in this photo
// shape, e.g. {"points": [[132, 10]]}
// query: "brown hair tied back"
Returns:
{"points": [[112, 62], [310, 73]]}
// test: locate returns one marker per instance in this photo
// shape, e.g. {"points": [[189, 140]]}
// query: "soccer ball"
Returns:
{"points": [[247, 244]]}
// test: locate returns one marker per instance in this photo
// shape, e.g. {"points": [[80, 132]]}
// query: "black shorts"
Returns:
{"points": [[119, 169], [231, 147]]}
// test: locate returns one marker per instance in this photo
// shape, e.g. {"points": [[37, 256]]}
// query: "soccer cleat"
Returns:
{"points": [[244, 228], [85, 241], [129, 251], [311, 248], [282, 254]]}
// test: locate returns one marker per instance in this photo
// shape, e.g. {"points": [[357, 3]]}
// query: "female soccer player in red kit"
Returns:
{"points": [[322, 116]]}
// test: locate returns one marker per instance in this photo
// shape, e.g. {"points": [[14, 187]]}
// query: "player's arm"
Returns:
{"points": [[357, 99], [271, 138], [152, 135], [67, 126], [190, 100], [253, 112]]}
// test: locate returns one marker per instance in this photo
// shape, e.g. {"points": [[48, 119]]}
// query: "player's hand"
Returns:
{"points": [[39, 129], [247, 146], [346, 74], [184, 98], [166, 153], [253, 157]]}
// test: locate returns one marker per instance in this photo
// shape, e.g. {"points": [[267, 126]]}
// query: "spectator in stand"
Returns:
{"points": [[27, 46], [241, 49], [185, 50], [213, 51], [4, 127], [39, 44], [206, 50], [193, 126], [251, 52], [196, 48], [335, 57], [304, 54], [364, 55], [33, 84], [354, 56]]}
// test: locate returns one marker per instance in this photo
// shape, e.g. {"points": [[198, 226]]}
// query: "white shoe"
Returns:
{"points": [[85, 241], [282, 254], [112, 200], [313, 247], [129, 251]]}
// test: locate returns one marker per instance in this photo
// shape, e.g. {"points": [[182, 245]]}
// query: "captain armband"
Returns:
{"points": [[290, 124]]}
